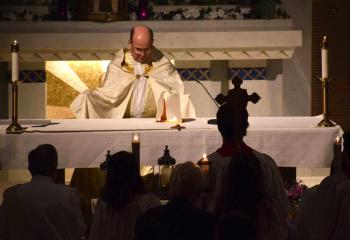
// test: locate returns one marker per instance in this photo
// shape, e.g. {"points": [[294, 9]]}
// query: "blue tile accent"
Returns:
{"points": [[187, 74], [32, 76]]}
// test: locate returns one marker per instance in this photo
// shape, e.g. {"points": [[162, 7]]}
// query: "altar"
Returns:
{"points": [[291, 141]]}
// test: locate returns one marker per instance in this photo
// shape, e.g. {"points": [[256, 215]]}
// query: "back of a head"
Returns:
{"points": [[43, 160], [123, 180], [232, 121], [185, 181]]}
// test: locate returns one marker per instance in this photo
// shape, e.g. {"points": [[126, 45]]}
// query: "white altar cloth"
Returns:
{"points": [[291, 141]]}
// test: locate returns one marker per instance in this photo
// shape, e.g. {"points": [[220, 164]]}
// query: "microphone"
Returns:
{"points": [[210, 121]]}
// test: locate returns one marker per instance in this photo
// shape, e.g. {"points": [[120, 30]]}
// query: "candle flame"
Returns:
{"points": [[324, 42], [205, 159], [173, 120], [135, 138], [337, 140]]}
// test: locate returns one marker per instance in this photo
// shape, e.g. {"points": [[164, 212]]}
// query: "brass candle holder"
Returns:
{"points": [[14, 127], [325, 122]]}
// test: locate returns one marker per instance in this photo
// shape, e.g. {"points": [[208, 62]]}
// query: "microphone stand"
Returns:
{"points": [[210, 121]]}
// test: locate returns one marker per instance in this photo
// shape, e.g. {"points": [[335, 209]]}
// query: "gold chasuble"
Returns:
{"points": [[114, 98]]}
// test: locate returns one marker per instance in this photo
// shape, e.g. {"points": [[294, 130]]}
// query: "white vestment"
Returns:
{"points": [[272, 183], [116, 98], [39, 210], [108, 223]]}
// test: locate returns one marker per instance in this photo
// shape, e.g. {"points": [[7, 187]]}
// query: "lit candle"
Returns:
{"points": [[14, 53], [135, 147], [205, 159], [337, 162], [324, 54], [205, 168]]}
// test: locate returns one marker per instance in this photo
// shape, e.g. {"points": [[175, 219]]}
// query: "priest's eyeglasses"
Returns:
{"points": [[142, 50]]}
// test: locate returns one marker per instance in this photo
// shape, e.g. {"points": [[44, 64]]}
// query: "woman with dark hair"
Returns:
{"points": [[122, 200]]}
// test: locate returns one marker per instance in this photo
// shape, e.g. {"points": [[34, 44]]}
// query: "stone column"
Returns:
{"points": [[219, 72]]}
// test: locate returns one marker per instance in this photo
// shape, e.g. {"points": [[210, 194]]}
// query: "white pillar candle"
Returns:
{"points": [[324, 55], [14, 53]]}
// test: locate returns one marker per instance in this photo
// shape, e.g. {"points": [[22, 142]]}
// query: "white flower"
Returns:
{"points": [[133, 16], [195, 13], [187, 14], [12, 16], [238, 15], [28, 16], [213, 14], [220, 12], [177, 16]]}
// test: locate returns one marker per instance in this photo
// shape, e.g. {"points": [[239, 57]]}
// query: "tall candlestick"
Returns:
{"points": [[14, 127], [14, 53], [135, 146], [324, 54]]}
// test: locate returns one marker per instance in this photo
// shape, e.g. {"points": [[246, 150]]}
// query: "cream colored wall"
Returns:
{"points": [[31, 100], [296, 92], [269, 105]]}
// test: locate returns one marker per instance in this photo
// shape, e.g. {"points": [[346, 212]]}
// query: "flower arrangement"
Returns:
{"points": [[295, 192], [204, 12]]}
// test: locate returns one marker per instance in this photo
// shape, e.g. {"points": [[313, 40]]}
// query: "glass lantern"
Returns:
{"points": [[166, 165]]}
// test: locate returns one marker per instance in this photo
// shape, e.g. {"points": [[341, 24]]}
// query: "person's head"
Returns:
{"points": [[43, 160], [123, 180], [232, 122], [141, 43], [185, 181], [237, 81]]}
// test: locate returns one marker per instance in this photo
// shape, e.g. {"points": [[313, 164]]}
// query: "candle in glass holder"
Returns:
{"points": [[135, 147]]}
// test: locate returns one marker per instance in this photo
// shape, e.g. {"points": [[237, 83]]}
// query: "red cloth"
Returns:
{"points": [[229, 149]]}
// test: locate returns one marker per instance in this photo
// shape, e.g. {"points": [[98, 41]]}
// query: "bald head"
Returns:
{"points": [[141, 32], [140, 42]]}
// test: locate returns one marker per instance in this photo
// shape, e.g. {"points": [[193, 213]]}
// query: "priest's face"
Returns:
{"points": [[141, 46]]}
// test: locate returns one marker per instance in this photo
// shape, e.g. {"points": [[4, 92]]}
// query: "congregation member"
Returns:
{"points": [[122, 200], [232, 123], [324, 213], [261, 216], [179, 218], [135, 83], [41, 209]]}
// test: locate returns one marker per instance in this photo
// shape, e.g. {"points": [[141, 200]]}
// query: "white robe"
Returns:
{"points": [[112, 99], [272, 183], [110, 224]]}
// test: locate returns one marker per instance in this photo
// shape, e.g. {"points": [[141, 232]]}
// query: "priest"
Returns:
{"points": [[135, 83]]}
